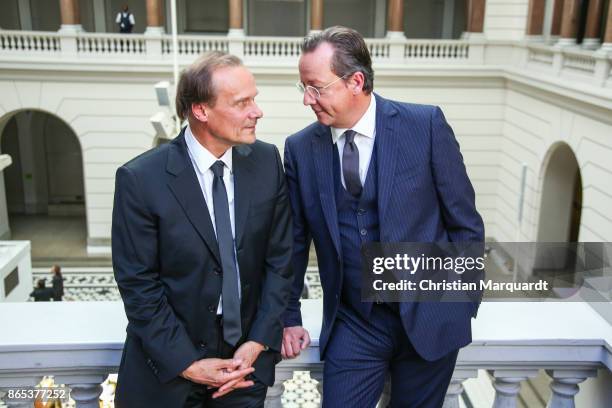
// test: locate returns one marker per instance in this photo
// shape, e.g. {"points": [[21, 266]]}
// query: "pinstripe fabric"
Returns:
{"points": [[363, 352], [358, 224], [424, 195]]}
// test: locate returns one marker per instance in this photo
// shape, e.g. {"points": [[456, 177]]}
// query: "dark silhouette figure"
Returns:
{"points": [[42, 293], [58, 283]]}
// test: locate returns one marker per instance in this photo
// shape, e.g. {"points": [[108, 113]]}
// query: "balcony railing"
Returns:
{"points": [[439, 50], [101, 45], [194, 45], [272, 49], [29, 41], [571, 66], [572, 63], [81, 343]]}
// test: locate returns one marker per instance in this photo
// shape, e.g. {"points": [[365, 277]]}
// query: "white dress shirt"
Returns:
{"points": [[365, 129], [202, 160], [130, 16]]}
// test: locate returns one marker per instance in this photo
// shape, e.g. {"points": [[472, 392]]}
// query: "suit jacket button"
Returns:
{"points": [[217, 271], [202, 344], [211, 308]]}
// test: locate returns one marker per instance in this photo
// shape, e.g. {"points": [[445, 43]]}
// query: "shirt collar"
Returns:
{"points": [[202, 157], [365, 126]]}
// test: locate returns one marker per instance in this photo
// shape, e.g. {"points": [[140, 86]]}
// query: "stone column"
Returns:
{"points": [[555, 25], [71, 19], [395, 19], [569, 23], [535, 18], [25, 15], [99, 16], [236, 27], [607, 43], [475, 18], [316, 15], [155, 23], [593, 25]]}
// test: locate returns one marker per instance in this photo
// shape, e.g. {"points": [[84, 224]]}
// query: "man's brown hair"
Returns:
{"points": [[196, 85]]}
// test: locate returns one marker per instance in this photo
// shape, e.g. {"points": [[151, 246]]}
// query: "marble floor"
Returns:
{"points": [[52, 237]]}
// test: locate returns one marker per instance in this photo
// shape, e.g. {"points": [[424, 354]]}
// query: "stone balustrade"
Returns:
{"points": [[80, 343], [571, 66]]}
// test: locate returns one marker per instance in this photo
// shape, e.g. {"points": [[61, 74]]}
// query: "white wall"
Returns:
{"points": [[111, 120], [505, 19], [534, 122], [16, 254], [498, 123]]}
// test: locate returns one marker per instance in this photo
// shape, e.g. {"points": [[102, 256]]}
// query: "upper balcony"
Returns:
{"points": [[572, 70]]}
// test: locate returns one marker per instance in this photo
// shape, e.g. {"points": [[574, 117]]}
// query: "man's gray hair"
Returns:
{"points": [[351, 54], [196, 85]]}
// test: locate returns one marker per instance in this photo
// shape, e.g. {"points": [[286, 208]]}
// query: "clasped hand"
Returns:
{"points": [[225, 374]]}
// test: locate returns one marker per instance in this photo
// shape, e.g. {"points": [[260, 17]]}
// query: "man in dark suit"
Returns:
{"points": [[201, 242], [373, 170]]}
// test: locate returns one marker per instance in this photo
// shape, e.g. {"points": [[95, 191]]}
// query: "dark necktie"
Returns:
{"points": [[231, 303], [350, 164]]}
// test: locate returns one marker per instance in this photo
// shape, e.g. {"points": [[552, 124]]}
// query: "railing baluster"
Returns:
{"points": [[507, 385], [85, 390], [564, 386]]}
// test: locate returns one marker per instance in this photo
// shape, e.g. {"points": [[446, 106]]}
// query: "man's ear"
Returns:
{"points": [[198, 110], [356, 81]]}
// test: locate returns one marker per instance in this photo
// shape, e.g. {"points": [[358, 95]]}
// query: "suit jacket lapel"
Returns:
{"points": [[243, 167], [186, 189], [323, 151], [386, 148]]}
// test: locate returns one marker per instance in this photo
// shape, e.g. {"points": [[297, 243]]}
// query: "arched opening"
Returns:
{"points": [[44, 186], [561, 203], [557, 257]]}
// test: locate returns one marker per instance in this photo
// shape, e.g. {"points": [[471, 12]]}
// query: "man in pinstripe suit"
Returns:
{"points": [[372, 169]]}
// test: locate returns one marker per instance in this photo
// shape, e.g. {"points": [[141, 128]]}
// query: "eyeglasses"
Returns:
{"points": [[315, 91]]}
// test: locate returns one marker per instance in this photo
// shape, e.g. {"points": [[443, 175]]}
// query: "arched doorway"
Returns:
{"points": [[561, 203], [44, 186], [559, 222]]}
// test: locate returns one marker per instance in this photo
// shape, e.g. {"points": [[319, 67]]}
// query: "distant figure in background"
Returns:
{"points": [[58, 283], [42, 293], [125, 20]]}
